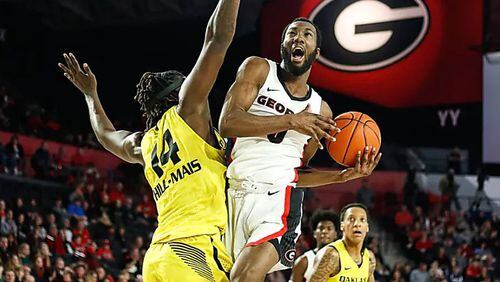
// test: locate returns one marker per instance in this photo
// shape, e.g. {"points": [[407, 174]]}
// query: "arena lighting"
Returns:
{"points": [[493, 57]]}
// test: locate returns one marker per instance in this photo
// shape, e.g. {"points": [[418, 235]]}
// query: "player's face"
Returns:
{"points": [[325, 233], [355, 225], [298, 49]]}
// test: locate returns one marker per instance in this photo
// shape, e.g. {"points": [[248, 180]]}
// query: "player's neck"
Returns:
{"points": [[354, 249], [297, 85], [294, 79]]}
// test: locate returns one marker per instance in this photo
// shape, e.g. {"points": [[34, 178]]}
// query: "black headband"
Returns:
{"points": [[176, 83]]}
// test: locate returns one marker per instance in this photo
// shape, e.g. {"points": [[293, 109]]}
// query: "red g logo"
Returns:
{"points": [[369, 34]]}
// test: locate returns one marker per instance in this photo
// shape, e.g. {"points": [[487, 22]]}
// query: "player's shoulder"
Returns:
{"points": [[329, 251], [255, 64], [371, 255], [254, 68]]}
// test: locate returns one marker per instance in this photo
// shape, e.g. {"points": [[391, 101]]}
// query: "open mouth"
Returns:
{"points": [[358, 233], [298, 55]]}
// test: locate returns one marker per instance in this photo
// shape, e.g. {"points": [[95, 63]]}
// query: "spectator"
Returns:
{"points": [[147, 208], [420, 274], [455, 160], [39, 269], [78, 158], [7, 224], [474, 270], [10, 276], [456, 275], [410, 189], [40, 161], [24, 254], [449, 188], [104, 252], [15, 156], [82, 231], [116, 193], [403, 218], [75, 209], [436, 273], [365, 194]]}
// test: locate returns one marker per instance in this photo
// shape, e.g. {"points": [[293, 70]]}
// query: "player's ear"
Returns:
{"points": [[318, 51], [341, 226]]}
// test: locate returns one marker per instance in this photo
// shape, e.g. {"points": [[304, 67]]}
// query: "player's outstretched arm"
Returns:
{"points": [[124, 144], [365, 164], [193, 95], [299, 269], [326, 264], [235, 121]]}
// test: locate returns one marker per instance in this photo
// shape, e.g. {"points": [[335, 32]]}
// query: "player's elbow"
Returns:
{"points": [[226, 126]]}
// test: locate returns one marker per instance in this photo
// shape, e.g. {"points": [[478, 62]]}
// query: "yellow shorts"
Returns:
{"points": [[199, 258]]}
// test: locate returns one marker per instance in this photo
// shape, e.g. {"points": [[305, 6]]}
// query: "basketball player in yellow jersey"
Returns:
{"points": [[346, 260], [182, 155]]}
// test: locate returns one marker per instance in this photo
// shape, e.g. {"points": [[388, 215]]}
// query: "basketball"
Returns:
{"points": [[358, 130]]}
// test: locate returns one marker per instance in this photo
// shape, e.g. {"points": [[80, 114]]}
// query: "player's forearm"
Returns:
{"points": [[309, 178], [222, 25], [240, 123], [100, 122]]}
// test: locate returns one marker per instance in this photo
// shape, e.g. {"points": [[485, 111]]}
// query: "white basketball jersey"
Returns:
{"points": [[272, 159], [310, 263]]}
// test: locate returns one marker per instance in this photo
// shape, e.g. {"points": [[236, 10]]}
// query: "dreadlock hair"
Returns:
{"points": [[156, 93], [302, 19]]}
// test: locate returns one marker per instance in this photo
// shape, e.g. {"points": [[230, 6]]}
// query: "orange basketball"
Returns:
{"points": [[358, 130]]}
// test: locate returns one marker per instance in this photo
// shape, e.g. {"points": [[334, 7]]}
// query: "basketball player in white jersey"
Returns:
{"points": [[276, 122], [324, 232]]}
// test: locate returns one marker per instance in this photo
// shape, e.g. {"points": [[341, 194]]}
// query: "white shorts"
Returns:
{"points": [[262, 214]]}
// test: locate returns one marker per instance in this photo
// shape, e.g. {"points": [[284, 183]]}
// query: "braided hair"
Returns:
{"points": [[156, 93]]}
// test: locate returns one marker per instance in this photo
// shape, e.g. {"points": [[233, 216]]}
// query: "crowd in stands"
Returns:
{"points": [[97, 234], [445, 242]]}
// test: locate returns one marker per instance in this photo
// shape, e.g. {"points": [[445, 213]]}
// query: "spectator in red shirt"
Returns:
{"points": [[403, 217], [78, 158], [416, 232], [116, 193], [82, 231], [424, 244], [104, 252], [474, 269], [147, 208]]}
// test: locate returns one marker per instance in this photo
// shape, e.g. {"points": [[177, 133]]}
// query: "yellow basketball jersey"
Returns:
{"points": [[349, 270], [187, 176]]}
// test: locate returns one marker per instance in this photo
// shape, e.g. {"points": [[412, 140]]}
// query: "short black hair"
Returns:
{"points": [[353, 205], [302, 19], [156, 93], [323, 215]]}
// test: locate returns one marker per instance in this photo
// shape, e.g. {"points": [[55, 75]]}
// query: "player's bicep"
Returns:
{"points": [[123, 144], [326, 264], [251, 76], [373, 265]]}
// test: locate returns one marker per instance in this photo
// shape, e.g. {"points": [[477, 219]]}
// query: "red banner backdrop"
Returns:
{"points": [[426, 55]]}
